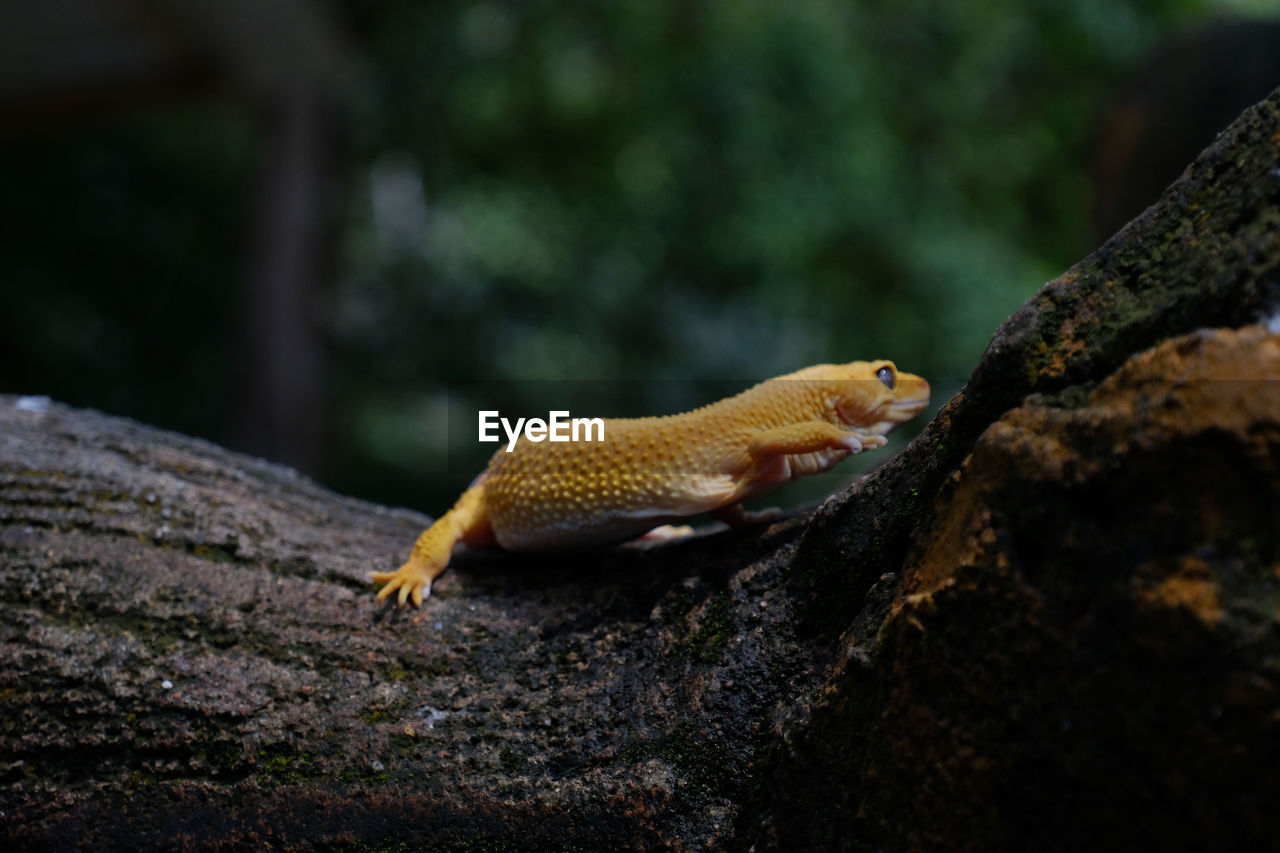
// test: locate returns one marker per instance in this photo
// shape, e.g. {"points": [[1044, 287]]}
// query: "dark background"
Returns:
{"points": [[327, 233]]}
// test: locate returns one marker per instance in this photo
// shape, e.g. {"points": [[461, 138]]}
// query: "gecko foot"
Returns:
{"points": [[412, 580], [872, 440], [666, 532]]}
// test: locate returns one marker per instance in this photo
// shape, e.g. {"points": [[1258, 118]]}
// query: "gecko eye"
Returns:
{"points": [[885, 375]]}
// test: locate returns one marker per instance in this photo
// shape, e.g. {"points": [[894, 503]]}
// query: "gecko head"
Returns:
{"points": [[874, 396]]}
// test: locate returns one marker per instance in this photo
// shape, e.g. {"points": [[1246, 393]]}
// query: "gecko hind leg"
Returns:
{"points": [[735, 515], [467, 522]]}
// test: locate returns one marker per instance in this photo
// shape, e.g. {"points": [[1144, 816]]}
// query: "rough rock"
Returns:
{"points": [[192, 656], [1084, 648]]}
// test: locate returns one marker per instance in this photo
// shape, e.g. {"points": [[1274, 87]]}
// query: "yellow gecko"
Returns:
{"points": [[651, 471]]}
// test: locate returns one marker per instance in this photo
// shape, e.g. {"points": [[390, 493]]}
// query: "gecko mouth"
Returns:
{"points": [[913, 402], [889, 413], [909, 407]]}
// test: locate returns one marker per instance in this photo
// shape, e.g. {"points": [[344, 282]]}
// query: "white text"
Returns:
{"points": [[557, 427]]}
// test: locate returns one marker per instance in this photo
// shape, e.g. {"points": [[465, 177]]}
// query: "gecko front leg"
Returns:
{"points": [[809, 437], [796, 450]]}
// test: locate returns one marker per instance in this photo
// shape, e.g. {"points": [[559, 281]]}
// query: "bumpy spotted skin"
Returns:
{"points": [[652, 471]]}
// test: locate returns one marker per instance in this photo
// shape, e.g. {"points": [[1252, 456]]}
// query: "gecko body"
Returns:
{"points": [[651, 471]]}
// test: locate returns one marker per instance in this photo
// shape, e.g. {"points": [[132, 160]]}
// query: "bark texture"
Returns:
{"points": [[1052, 621]]}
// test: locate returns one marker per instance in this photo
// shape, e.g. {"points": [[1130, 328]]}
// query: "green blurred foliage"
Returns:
{"points": [[684, 190], [635, 193]]}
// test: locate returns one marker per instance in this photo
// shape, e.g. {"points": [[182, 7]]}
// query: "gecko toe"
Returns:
{"points": [[852, 443]]}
